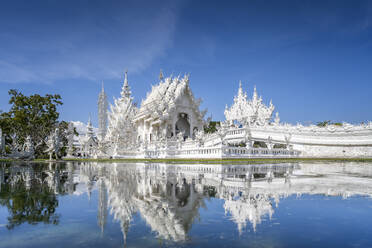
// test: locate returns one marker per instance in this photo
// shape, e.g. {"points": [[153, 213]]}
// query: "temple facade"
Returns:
{"points": [[169, 110], [169, 124]]}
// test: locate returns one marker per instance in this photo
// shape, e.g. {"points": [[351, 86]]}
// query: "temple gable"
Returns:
{"points": [[168, 110]]}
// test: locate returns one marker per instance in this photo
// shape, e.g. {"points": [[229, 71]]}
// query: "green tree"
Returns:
{"points": [[33, 115], [323, 123], [326, 123], [212, 127], [32, 205]]}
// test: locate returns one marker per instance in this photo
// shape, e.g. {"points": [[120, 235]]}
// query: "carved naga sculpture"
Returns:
{"points": [[222, 132]]}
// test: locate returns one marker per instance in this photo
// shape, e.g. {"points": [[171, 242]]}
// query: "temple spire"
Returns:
{"points": [[125, 91], [240, 96], [90, 132], [240, 91], [161, 77], [255, 93], [102, 113], [89, 121]]}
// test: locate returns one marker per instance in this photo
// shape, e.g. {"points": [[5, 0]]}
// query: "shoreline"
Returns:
{"points": [[195, 161]]}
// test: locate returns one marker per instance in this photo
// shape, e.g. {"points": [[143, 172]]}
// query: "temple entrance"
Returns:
{"points": [[183, 125]]}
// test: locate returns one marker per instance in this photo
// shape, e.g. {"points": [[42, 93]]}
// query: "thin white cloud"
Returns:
{"points": [[88, 46], [81, 128]]}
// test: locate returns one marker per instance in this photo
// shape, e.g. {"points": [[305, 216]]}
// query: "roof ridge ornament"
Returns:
{"points": [[254, 110], [125, 91], [255, 95], [187, 78], [161, 77]]}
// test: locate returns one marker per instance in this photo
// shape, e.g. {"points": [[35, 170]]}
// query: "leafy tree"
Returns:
{"points": [[326, 123], [212, 127], [33, 115], [63, 133], [323, 123], [32, 205]]}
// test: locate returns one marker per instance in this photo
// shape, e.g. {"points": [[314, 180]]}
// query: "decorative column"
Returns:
{"points": [[269, 143], [288, 141], [174, 127], [191, 122]]}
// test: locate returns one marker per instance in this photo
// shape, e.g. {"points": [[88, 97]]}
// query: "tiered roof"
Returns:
{"points": [[252, 111], [162, 99]]}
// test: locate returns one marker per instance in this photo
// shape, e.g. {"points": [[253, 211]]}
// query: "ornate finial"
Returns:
{"points": [[126, 77], [240, 90], [255, 93], [103, 88], [90, 120], [277, 118], [90, 131], [125, 91], [161, 77], [187, 78]]}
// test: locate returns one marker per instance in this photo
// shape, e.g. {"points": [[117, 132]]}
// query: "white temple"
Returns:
{"points": [[102, 113], [169, 124], [169, 197], [249, 111], [169, 109]]}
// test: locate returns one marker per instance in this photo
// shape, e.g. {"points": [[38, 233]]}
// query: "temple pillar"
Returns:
{"points": [[174, 127], [191, 131]]}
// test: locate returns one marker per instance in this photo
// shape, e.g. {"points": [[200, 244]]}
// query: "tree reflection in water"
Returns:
{"points": [[27, 196], [169, 197]]}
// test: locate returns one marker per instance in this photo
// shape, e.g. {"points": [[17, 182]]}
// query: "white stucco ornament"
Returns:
{"points": [[169, 124]]}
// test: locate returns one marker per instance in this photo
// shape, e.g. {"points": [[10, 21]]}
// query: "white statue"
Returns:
{"points": [[54, 144], [199, 137], [25, 151], [70, 140], [222, 130], [248, 137]]}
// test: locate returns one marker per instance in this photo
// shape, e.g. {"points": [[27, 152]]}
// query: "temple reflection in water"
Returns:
{"points": [[168, 197]]}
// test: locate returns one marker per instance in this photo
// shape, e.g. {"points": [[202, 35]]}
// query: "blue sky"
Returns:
{"points": [[312, 58]]}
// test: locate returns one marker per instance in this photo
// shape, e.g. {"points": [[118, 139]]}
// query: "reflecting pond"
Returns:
{"points": [[76, 204]]}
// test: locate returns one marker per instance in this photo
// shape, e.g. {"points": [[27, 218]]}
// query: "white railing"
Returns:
{"points": [[234, 152], [259, 152], [175, 151]]}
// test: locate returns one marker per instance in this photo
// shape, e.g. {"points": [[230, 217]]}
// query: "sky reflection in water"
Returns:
{"points": [[159, 205]]}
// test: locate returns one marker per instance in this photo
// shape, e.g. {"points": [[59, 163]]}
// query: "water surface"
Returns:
{"points": [[180, 205]]}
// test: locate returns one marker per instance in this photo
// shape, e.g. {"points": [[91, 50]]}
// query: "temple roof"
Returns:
{"points": [[252, 111], [162, 98]]}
